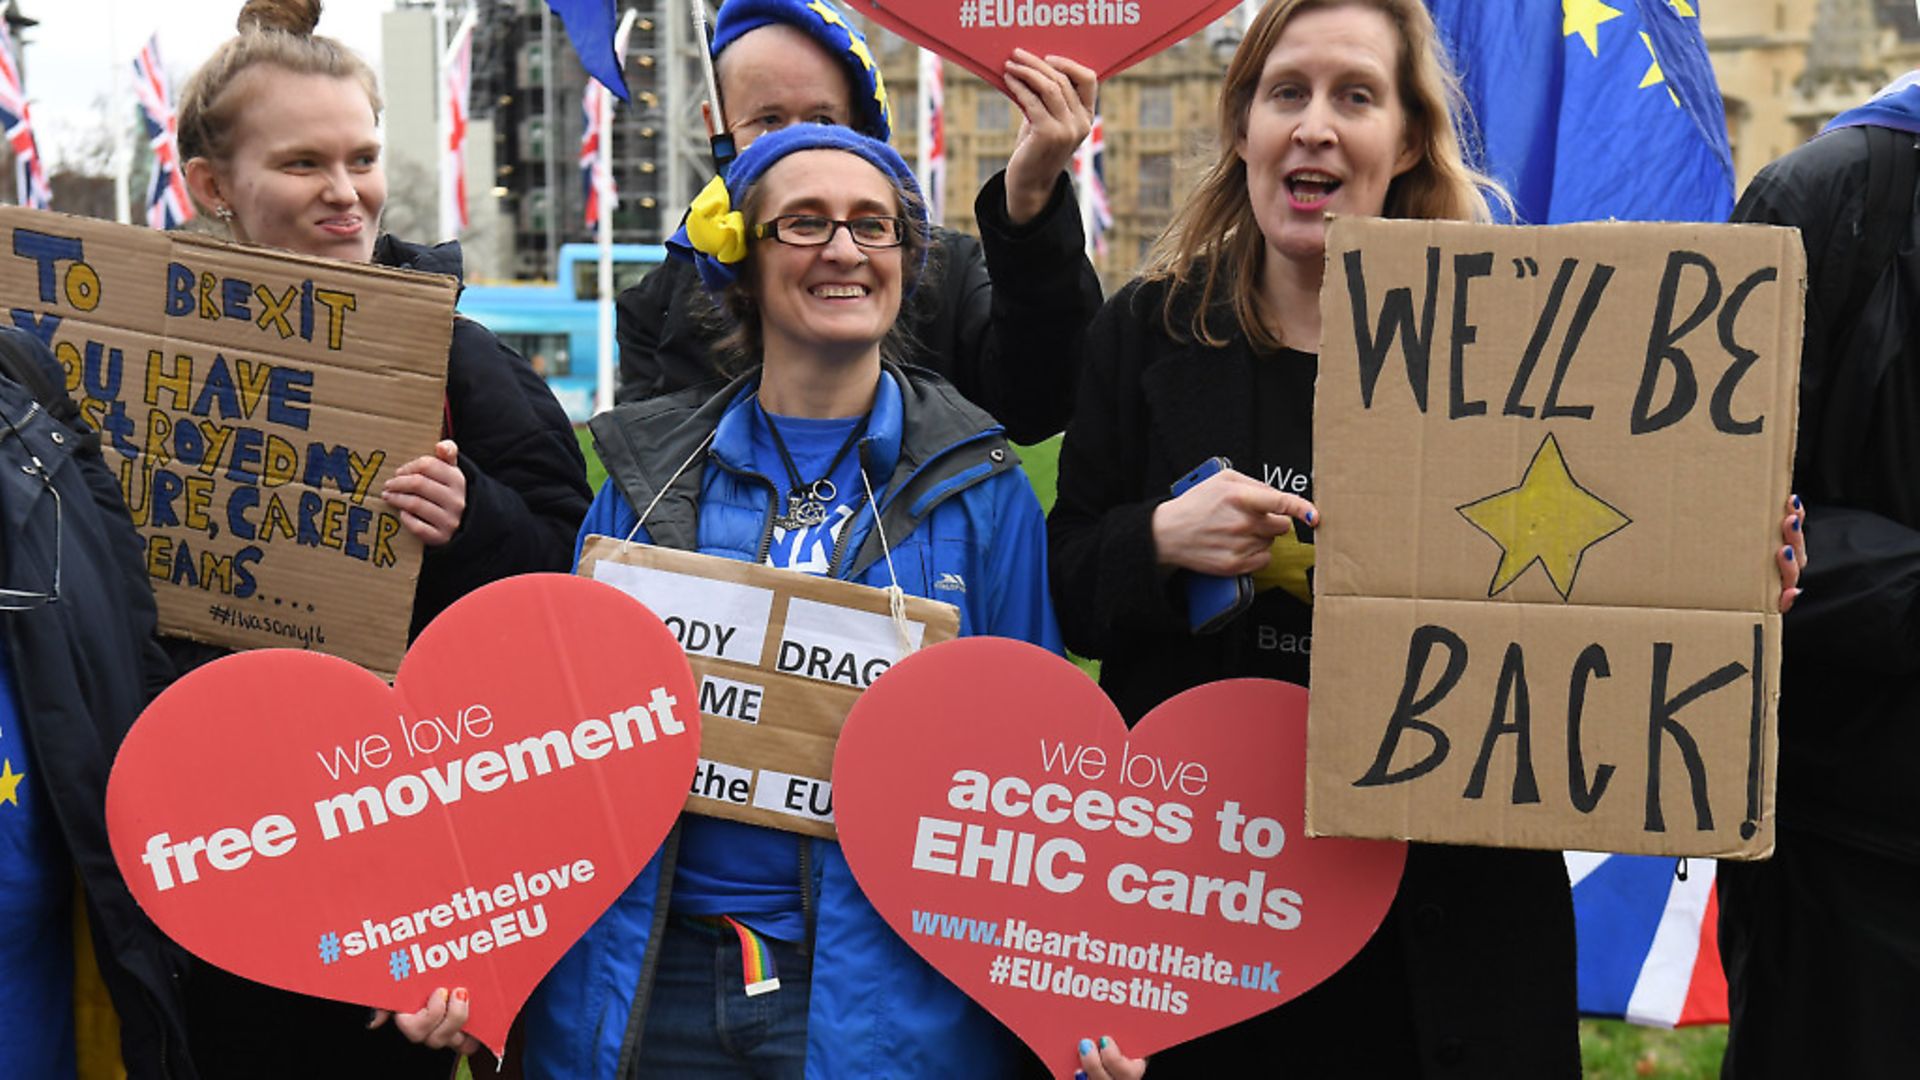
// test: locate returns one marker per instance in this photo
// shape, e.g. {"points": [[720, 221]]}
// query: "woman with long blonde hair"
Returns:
{"points": [[1329, 107], [279, 133]]}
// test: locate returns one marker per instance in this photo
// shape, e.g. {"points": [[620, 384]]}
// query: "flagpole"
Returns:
{"points": [[603, 183], [441, 126], [118, 128], [1082, 181]]}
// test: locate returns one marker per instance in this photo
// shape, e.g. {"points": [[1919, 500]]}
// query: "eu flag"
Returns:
{"points": [[590, 26], [1590, 110]]}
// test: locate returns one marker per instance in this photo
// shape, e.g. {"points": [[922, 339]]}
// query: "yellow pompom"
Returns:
{"points": [[714, 227]]}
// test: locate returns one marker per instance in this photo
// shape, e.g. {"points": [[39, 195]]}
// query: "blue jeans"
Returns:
{"points": [[702, 1025]]}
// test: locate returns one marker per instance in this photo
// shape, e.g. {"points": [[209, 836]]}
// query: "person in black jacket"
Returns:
{"points": [[1343, 108], [1820, 943], [78, 661], [278, 130], [1004, 325]]}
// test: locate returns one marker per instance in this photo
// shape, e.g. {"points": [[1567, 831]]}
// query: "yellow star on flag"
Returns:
{"points": [[1290, 568], [1683, 9], [1549, 519], [10, 783], [1584, 17], [1654, 76]]}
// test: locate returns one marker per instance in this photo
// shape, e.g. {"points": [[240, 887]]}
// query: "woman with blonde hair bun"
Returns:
{"points": [[279, 131]]}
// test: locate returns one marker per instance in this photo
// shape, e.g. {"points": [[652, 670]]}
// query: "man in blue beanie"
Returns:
{"points": [[1000, 317]]}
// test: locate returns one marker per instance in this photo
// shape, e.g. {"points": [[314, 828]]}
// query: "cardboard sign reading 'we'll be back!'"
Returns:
{"points": [[1553, 464], [780, 657]]}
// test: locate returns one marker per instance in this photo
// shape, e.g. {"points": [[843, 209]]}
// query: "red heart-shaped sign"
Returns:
{"points": [[1108, 36], [289, 817], [1075, 877]]}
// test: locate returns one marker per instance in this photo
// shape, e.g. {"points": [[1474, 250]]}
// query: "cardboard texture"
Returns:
{"points": [[1552, 464], [252, 403], [780, 658], [1074, 875], [289, 817]]}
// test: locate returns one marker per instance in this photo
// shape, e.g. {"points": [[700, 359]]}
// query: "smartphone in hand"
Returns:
{"points": [[1212, 601]]}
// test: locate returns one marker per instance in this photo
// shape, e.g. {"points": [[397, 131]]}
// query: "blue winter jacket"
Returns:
{"points": [[963, 527]]}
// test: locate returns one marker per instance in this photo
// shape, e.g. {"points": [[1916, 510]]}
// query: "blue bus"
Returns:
{"points": [[556, 324]]}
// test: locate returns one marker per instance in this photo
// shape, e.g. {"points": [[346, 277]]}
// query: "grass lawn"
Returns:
{"points": [[1609, 1049]]}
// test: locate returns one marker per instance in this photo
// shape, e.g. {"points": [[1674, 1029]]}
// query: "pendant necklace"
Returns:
{"points": [[807, 503]]}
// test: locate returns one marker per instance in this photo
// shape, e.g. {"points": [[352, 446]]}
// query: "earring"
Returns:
{"points": [[224, 213]]}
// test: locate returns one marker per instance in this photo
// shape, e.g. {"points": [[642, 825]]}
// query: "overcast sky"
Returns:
{"points": [[81, 54]]}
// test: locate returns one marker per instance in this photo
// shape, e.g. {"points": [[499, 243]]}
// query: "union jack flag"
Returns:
{"points": [[16, 117], [1649, 939], [168, 204], [1090, 168], [453, 169], [596, 166], [933, 135]]}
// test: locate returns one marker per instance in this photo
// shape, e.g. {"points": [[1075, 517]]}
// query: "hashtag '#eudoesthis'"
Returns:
{"points": [[329, 947], [398, 963], [998, 972], [969, 14]]}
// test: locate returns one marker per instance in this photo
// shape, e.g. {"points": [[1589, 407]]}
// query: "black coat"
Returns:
{"points": [[1472, 972], [526, 478], [83, 668], [1004, 326], [1850, 650]]}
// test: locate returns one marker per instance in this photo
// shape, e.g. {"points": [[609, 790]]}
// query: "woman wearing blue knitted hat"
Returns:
{"points": [[811, 248], [1001, 317]]}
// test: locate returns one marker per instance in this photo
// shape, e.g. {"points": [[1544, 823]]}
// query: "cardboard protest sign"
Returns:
{"points": [[289, 817], [780, 656], [1553, 465], [1108, 36], [252, 403], [1075, 877]]}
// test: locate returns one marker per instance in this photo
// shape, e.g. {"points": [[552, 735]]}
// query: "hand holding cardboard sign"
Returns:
{"points": [[1056, 98], [431, 494], [1792, 559], [1225, 524]]}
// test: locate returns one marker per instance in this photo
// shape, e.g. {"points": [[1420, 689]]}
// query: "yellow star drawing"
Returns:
{"points": [[1584, 17], [1549, 519], [1654, 76], [1290, 568], [10, 783]]}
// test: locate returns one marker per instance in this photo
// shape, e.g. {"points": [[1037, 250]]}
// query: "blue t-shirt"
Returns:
{"points": [[36, 925], [748, 871]]}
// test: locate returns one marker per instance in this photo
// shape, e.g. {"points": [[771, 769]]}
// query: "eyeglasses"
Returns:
{"points": [[25, 599], [813, 230]]}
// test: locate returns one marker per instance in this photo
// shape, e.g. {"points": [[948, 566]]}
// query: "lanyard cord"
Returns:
{"points": [[801, 487]]}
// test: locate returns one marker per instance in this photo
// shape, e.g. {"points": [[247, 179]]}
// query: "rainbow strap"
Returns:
{"points": [[756, 962]]}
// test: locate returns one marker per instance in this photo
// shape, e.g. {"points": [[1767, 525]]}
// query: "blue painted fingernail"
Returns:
{"points": [[1310, 517], [1086, 1047], [1796, 502], [1796, 523], [1079, 1075], [1789, 552], [1103, 1042]]}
